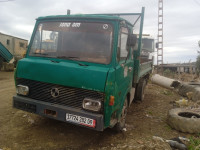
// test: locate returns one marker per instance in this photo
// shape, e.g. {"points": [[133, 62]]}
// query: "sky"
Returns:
{"points": [[181, 20]]}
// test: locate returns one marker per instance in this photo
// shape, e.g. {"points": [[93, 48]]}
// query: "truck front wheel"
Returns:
{"points": [[121, 123]]}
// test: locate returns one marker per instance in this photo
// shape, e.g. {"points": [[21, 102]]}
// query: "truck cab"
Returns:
{"points": [[82, 69]]}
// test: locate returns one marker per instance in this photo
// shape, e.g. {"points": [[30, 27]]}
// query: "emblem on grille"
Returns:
{"points": [[54, 92]]}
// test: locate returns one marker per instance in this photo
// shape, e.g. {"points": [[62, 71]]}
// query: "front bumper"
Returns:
{"points": [[39, 107]]}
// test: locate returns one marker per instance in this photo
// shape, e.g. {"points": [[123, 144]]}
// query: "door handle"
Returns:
{"points": [[130, 69]]}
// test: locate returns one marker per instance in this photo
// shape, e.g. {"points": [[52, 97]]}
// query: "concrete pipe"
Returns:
{"points": [[162, 81]]}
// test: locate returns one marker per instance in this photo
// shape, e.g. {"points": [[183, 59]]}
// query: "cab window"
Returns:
{"points": [[122, 44]]}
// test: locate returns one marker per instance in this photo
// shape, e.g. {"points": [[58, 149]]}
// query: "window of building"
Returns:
{"points": [[8, 42], [21, 44]]}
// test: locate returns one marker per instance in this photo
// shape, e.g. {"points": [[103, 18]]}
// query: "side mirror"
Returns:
{"points": [[132, 40]]}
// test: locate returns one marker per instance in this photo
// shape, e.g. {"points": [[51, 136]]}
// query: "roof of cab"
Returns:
{"points": [[83, 16]]}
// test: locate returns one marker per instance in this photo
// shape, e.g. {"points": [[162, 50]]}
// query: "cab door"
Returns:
{"points": [[124, 66]]}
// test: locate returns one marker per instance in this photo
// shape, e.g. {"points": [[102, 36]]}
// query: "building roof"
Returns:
{"points": [[13, 36], [179, 65]]}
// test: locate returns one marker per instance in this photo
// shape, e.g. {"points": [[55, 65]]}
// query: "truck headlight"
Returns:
{"points": [[90, 104], [22, 90]]}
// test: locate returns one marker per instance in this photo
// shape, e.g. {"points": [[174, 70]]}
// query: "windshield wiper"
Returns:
{"points": [[41, 53], [69, 57], [72, 58]]}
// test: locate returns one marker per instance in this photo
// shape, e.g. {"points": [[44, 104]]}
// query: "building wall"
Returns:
{"points": [[7, 41], [20, 47], [16, 46], [181, 69]]}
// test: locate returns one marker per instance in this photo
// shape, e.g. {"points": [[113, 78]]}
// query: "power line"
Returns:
{"points": [[6, 1]]}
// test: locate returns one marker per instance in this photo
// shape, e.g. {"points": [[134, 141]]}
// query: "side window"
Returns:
{"points": [[122, 44], [123, 47]]}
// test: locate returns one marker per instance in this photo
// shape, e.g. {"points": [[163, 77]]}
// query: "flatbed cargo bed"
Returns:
{"points": [[5, 54]]}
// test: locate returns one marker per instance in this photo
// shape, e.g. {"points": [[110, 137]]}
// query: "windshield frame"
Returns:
{"points": [[82, 20]]}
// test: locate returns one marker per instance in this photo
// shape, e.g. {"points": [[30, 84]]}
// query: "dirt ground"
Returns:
{"points": [[21, 130]]}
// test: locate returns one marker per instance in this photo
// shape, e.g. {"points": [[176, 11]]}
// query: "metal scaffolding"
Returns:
{"points": [[160, 34]]}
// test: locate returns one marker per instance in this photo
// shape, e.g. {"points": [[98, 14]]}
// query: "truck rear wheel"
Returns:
{"points": [[139, 95], [121, 123]]}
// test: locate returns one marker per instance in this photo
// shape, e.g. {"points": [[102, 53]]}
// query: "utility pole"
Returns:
{"points": [[68, 12], [160, 36]]}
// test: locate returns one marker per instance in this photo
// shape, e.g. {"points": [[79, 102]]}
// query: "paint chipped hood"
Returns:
{"points": [[64, 73]]}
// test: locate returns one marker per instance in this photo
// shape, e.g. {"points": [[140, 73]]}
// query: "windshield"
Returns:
{"points": [[83, 41], [148, 44]]}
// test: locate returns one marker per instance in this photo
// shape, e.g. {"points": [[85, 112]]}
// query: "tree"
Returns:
{"points": [[198, 63]]}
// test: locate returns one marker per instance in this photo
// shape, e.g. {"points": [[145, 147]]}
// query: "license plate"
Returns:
{"points": [[80, 120]]}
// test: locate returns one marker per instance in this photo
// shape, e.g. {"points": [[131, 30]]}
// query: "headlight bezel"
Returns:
{"points": [[22, 90], [92, 108]]}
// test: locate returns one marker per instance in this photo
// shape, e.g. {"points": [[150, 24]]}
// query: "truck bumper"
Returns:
{"points": [[59, 112]]}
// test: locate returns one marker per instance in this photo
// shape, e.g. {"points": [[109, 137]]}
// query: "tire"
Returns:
{"points": [[184, 120], [121, 123], [140, 91]]}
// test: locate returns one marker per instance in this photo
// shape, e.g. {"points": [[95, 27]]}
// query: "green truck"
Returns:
{"points": [[83, 69], [5, 55]]}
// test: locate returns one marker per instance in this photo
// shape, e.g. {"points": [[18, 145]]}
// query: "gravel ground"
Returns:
{"points": [[21, 130]]}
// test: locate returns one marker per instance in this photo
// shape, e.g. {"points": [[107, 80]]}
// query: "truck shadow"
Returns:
{"points": [[68, 136]]}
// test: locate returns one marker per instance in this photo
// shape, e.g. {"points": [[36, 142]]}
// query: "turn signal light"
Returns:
{"points": [[112, 100]]}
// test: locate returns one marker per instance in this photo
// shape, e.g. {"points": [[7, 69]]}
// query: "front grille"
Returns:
{"points": [[68, 96]]}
